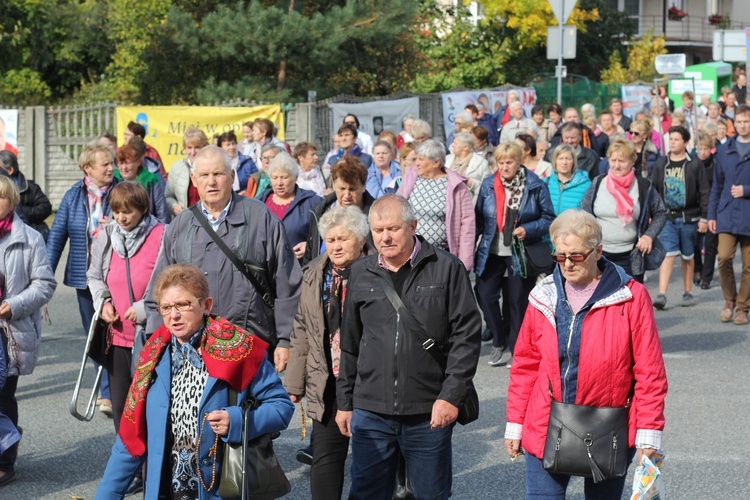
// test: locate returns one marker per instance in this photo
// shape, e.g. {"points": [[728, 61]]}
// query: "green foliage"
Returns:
{"points": [[640, 62], [24, 87]]}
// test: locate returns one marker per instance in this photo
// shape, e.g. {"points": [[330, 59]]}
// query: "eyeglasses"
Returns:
{"points": [[267, 158], [633, 132], [575, 258], [181, 306]]}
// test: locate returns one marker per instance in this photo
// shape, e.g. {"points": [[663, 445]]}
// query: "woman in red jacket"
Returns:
{"points": [[589, 337]]}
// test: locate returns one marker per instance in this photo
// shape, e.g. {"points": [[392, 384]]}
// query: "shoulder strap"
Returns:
{"points": [[127, 273], [644, 207], [428, 343], [264, 293]]}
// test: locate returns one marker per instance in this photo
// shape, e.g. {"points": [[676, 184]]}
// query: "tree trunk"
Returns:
{"points": [[282, 64]]}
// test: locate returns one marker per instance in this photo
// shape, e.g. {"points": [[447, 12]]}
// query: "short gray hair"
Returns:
{"points": [[420, 128], [433, 150], [272, 147], [464, 139], [408, 117], [465, 117], [576, 222], [285, 163], [407, 211], [515, 104], [512, 93], [212, 150], [588, 108], [351, 218]]}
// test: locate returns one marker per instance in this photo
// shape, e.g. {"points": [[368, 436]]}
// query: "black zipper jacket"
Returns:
{"points": [[697, 187]]}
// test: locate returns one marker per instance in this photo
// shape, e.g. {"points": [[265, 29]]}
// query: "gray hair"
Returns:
{"points": [[576, 222], [407, 117], [512, 93], [351, 218], [563, 148], [433, 150], [465, 117], [285, 163], [588, 108], [515, 104], [272, 147], [464, 139], [420, 128], [213, 151], [407, 211]]}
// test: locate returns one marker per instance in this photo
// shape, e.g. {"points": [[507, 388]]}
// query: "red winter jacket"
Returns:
{"points": [[619, 342]]}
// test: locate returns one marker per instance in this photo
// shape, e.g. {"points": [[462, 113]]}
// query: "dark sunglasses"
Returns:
{"points": [[575, 258], [633, 132]]}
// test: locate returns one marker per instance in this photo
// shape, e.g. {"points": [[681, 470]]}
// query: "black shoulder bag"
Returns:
{"points": [[468, 411], [587, 441], [265, 292], [251, 470]]}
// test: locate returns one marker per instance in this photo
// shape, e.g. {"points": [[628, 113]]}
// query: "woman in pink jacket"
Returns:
{"points": [[589, 338], [442, 202]]}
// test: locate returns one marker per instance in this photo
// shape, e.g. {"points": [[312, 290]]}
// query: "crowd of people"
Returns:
{"points": [[359, 285]]}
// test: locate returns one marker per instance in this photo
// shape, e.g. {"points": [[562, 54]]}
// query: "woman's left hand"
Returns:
{"points": [[649, 452], [219, 421], [5, 312], [644, 244], [131, 315], [519, 233]]}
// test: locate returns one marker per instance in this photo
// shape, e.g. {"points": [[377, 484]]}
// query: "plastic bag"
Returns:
{"points": [[647, 482]]}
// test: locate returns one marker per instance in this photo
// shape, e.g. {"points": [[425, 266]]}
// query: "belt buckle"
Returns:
{"points": [[427, 344]]}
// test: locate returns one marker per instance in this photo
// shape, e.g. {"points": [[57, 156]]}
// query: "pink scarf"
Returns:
{"points": [[619, 187]]}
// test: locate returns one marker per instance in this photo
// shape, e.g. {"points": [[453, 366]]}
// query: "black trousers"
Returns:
{"points": [[9, 407], [515, 290], [330, 448], [705, 264], [623, 260], [119, 380]]}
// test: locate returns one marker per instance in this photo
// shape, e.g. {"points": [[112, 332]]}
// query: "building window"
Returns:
{"points": [[629, 7]]}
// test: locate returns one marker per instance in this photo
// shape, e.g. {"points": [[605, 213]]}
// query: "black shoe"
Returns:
{"points": [[8, 478], [136, 486], [705, 285], [486, 335], [403, 492], [305, 456]]}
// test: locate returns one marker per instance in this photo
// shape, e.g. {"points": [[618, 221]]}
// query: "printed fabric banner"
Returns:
{"points": [[165, 125], [9, 130], [455, 102], [376, 116], [634, 98]]}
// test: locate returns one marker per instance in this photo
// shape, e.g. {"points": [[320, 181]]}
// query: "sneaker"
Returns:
{"points": [[496, 356], [106, 407], [509, 362], [305, 456], [741, 318], [660, 302], [687, 299], [726, 314]]}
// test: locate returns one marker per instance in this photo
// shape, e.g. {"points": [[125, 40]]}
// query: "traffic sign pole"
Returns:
{"points": [[560, 24]]}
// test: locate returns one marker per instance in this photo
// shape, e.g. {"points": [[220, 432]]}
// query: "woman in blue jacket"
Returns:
{"points": [[289, 202], [567, 184], [513, 207], [193, 360], [83, 211]]}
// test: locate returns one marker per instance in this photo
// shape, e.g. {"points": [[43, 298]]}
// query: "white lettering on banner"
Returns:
{"points": [[701, 87]]}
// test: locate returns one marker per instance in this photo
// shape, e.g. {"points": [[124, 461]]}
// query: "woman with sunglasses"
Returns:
{"points": [[192, 377], [646, 152], [618, 199], [604, 322]]}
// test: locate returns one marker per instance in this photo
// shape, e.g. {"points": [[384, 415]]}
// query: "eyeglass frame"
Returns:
{"points": [[574, 257], [174, 306]]}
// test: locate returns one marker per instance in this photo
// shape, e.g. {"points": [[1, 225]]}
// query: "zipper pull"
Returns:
{"points": [[614, 442]]}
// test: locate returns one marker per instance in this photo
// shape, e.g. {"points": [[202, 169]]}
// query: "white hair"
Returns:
{"points": [[351, 218], [284, 162]]}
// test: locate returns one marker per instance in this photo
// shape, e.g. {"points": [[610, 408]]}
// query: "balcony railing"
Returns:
{"points": [[688, 29]]}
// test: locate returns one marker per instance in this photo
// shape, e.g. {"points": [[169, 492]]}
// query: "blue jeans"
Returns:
{"points": [[86, 309], [376, 443], [541, 484], [679, 237]]}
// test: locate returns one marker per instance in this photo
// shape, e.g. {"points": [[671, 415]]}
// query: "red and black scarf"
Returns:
{"points": [[230, 354]]}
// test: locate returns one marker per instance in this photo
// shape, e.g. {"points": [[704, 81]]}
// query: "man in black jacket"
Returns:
{"points": [[681, 181], [399, 393]]}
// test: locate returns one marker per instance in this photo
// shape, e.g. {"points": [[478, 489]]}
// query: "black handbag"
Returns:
{"points": [[587, 441], [250, 470], [652, 260], [468, 410], [99, 341], [538, 258]]}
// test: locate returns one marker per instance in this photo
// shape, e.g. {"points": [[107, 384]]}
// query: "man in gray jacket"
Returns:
{"points": [[255, 236]]}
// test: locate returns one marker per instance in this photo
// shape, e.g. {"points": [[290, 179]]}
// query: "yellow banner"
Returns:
{"points": [[165, 125]]}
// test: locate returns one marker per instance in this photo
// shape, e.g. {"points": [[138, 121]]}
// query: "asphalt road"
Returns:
{"points": [[705, 437]]}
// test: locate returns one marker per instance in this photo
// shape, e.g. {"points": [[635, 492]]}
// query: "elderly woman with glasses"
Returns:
{"points": [[586, 319], [442, 202], [192, 377], [259, 182], [289, 202], [314, 351]]}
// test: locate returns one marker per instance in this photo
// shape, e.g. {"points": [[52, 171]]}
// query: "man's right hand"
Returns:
{"points": [[712, 226], [344, 421]]}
